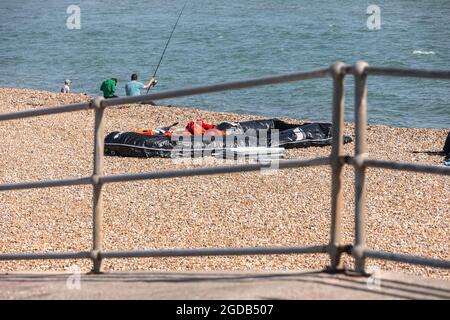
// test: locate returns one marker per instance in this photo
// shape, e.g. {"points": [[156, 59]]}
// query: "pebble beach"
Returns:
{"points": [[406, 212]]}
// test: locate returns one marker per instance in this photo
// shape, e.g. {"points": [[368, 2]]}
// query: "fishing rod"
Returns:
{"points": [[167, 44]]}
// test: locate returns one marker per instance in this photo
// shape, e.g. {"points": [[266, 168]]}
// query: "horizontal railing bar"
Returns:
{"points": [[219, 87], [45, 184], [417, 73], [404, 166], [398, 257], [282, 164], [44, 255], [213, 252], [45, 111]]}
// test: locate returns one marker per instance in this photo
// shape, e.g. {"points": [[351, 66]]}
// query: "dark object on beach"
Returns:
{"points": [[131, 144], [272, 133], [446, 148], [290, 135]]}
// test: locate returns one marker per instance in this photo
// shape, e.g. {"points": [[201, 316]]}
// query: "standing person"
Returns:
{"points": [[133, 87], [66, 87], [109, 88]]}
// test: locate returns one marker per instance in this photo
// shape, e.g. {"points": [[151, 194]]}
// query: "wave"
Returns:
{"points": [[423, 52]]}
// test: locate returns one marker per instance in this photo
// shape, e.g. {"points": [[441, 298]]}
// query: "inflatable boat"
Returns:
{"points": [[218, 139]]}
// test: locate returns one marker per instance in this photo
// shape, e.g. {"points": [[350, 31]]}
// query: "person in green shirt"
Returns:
{"points": [[109, 88]]}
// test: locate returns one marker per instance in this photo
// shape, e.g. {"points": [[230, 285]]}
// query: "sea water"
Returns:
{"points": [[218, 41]]}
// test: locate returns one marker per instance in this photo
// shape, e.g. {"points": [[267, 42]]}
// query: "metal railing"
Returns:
{"points": [[337, 159]]}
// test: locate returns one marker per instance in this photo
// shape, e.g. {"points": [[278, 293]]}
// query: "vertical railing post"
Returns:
{"points": [[338, 73], [97, 205], [360, 170]]}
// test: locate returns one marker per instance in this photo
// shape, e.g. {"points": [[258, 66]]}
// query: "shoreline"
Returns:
{"points": [[407, 212], [80, 97]]}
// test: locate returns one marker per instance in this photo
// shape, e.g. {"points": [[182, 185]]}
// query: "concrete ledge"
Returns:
{"points": [[220, 285]]}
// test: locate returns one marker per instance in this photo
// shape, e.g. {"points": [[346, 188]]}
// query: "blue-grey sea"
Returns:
{"points": [[217, 41]]}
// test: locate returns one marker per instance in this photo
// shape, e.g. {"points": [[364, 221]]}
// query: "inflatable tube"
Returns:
{"points": [[271, 133]]}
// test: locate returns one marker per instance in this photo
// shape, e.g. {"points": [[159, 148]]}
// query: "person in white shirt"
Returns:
{"points": [[66, 88]]}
